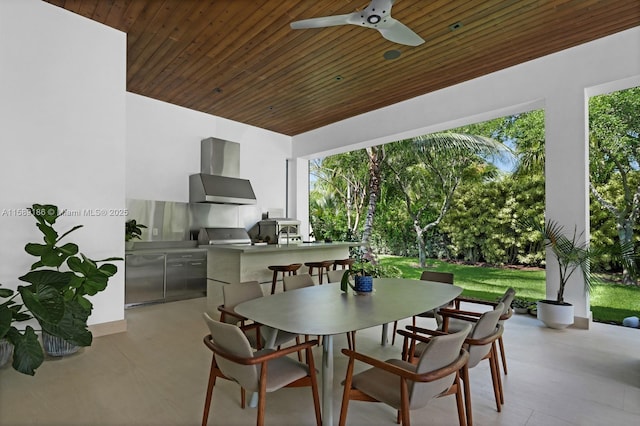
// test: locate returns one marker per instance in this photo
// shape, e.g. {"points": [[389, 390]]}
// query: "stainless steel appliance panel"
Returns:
{"points": [[220, 157], [223, 236], [278, 231], [210, 215], [186, 275], [174, 221], [144, 278], [165, 220]]}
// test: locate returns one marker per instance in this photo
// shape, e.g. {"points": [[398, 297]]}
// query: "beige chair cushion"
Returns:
{"points": [[385, 386], [293, 282], [233, 341], [485, 327], [335, 276], [236, 293], [280, 371]]}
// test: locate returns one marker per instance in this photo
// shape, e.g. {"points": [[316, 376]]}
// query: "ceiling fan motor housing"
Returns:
{"points": [[375, 13]]}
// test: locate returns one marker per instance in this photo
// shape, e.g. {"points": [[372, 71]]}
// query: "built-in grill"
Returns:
{"points": [[213, 236]]}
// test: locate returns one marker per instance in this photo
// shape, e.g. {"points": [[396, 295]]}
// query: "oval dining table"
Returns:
{"points": [[325, 310]]}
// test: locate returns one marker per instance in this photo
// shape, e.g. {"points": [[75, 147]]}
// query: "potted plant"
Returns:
{"points": [[132, 231], [520, 306], [571, 254], [59, 283], [363, 272], [22, 344]]}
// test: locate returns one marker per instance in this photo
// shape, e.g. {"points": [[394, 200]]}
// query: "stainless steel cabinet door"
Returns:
{"points": [[144, 278], [186, 275]]}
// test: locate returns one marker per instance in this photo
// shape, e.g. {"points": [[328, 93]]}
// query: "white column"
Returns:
{"points": [[567, 184], [298, 193]]}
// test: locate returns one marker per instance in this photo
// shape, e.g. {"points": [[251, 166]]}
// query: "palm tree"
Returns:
{"points": [[376, 156], [428, 169]]}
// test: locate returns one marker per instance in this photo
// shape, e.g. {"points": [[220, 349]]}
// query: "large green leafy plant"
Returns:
{"points": [[61, 279], [27, 350]]}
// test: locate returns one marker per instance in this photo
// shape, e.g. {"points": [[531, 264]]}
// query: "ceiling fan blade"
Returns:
{"points": [[324, 21], [377, 15], [397, 32]]}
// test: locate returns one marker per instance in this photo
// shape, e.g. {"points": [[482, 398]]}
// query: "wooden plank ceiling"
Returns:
{"points": [[239, 59]]}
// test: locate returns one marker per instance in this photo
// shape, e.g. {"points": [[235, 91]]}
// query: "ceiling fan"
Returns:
{"points": [[376, 15]]}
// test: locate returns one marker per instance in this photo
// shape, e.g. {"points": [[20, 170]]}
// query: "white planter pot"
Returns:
{"points": [[554, 315]]}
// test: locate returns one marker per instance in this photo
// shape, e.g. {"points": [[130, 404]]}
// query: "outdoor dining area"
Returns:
{"points": [[157, 372], [433, 360]]}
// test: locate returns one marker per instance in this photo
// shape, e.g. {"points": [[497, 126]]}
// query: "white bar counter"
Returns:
{"points": [[229, 263]]}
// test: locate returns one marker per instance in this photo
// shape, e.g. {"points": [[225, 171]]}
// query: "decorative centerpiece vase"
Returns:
{"points": [[363, 284]]}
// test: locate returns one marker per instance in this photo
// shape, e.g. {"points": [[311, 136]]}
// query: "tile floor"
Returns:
{"points": [[156, 374]]}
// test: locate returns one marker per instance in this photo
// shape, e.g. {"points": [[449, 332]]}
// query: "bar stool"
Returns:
{"points": [[291, 269], [344, 263], [322, 266]]}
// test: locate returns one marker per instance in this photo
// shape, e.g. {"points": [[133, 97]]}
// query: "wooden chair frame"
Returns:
{"points": [[245, 326], [503, 317], [408, 351], [215, 372], [405, 376]]}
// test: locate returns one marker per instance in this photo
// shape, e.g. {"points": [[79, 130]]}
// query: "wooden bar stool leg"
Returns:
{"points": [[285, 269]]}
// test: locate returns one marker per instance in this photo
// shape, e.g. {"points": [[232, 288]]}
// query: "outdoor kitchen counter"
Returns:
{"points": [[165, 250], [228, 263], [245, 248]]}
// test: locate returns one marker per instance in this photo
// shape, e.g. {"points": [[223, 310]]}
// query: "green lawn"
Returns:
{"points": [[609, 303]]}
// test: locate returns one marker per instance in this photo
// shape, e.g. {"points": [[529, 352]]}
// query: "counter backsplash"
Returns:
{"points": [[175, 221]]}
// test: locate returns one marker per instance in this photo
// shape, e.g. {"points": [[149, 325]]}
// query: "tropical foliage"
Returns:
{"points": [[614, 143], [436, 201]]}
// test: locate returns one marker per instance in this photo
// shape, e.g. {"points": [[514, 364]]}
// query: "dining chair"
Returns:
{"points": [[481, 345], [294, 282], [236, 293], [266, 370], [407, 386], [335, 276], [440, 277], [507, 313]]}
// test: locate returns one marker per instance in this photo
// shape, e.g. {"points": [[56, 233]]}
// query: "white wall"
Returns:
{"points": [[62, 127], [163, 149], [71, 134]]}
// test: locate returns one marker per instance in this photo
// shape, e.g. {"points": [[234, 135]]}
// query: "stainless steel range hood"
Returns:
{"points": [[218, 181]]}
